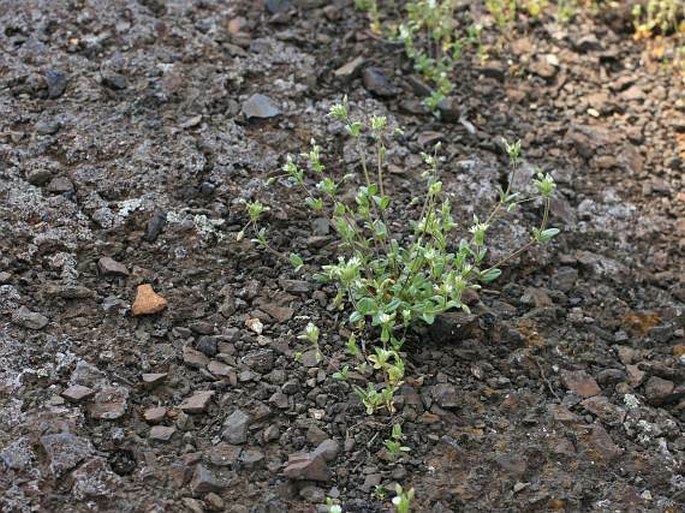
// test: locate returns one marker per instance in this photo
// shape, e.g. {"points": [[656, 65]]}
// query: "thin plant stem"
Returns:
{"points": [[528, 245]]}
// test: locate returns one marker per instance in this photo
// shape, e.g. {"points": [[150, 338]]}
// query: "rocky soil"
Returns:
{"points": [[149, 362]]}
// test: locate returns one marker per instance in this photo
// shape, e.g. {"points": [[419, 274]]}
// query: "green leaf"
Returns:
{"points": [[428, 318], [382, 201], [354, 129], [380, 229], [393, 305], [366, 306], [321, 278], [548, 234], [490, 275], [352, 346], [314, 203], [355, 317], [296, 261]]}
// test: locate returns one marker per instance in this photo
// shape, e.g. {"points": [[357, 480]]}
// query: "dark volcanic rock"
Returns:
{"points": [[580, 383], [94, 479], [27, 319], [235, 427], [311, 467], [65, 451], [277, 6], [375, 82], [18, 455], [57, 83], [155, 226], [110, 267], [205, 481], [114, 81]]}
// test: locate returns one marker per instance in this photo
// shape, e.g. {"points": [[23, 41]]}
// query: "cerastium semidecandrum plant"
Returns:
{"points": [[388, 281], [430, 35]]}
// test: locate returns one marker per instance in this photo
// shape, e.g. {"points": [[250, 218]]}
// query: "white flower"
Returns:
{"points": [[384, 318]]}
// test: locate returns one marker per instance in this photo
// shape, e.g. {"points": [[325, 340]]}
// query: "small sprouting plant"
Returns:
{"points": [[342, 374], [566, 10], [503, 12], [311, 335], [351, 346], [432, 41], [394, 444], [659, 15], [380, 493], [333, 506], [402, 499], [658, 19], [429, 37], [389, 282], [535, 7], [254, 209], [371, 8], [373, 399]]}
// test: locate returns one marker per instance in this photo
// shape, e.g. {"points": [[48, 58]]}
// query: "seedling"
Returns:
{"points": [[503, 11], [342, 374], [371, 8], [311, 334], [394, 445], [379, 492], [333, 506], [402, 499]]}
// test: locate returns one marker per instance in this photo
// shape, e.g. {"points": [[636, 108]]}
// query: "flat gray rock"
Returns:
{"points": [[30, 320], [259, 106], [235, 427]]}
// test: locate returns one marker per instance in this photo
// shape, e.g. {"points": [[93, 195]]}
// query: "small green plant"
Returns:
{"points": [[373, 399], [402, 499], [429, 36], [311, 335], [255, 210], [394, 445], [352, 346], [388, 282], [342, 374], [333, 506], [659, 15], [503, 11], [535, 7], [380, 493], [566, 10], [662, 24], [371, 8]]}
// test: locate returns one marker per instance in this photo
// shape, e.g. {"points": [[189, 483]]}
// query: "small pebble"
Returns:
{"points": [[162, 433], [147, 301], [77, 393], [259, 106], [155, 414]]}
